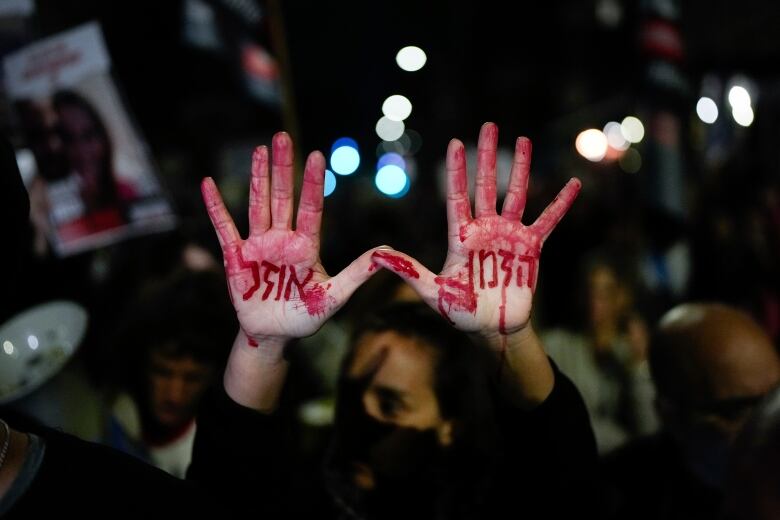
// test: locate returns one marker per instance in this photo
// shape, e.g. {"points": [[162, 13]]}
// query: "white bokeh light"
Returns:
{"points": [[743, 115], [592, 144], [707, 110], [411, 58], [615, 136], [397, 107], [389, 130], [633, 129], [739, 97], [8, 347]]}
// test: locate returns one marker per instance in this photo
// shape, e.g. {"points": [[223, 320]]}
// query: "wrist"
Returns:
{"points": [[265, 349], [500, 342], [254, 375]]}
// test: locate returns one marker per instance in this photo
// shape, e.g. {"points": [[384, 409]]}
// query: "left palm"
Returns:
{"points": [[490, 273]]}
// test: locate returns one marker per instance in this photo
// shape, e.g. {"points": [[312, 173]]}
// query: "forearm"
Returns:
{"points": [[526, 370], [255, 375]]}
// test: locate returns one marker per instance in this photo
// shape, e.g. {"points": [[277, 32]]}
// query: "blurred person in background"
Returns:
{"points": [[171, 351], [752, 491], [607, 360], [711, 364]]}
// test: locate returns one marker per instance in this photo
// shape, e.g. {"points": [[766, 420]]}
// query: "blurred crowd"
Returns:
{"points": [[667, 323]]}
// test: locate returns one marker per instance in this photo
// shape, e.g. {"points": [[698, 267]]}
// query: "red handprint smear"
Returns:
{"points": [[457, 294], [398, 264], [316, 299]]}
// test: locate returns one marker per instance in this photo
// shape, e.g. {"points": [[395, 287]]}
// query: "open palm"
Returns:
{"points": [[490, 273], [276, 280]]}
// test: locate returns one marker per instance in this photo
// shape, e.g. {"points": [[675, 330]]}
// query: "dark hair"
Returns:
{"points": [[107, 193], [187, 315], [466, 390]]}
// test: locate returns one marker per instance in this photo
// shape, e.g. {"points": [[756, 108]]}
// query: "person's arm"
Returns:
{"points": [[488, 280], [276, 281]]}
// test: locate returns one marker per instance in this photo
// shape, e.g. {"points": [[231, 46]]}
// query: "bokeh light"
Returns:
{"points": [[633, 129], [388, 129], [344, 157], [615, 136], [739, 97], [330, 182], [592, 144], [707, 110], [392, 180], [397, 107], [391, 158], [630, 161], [743, 115], [411, 58]]}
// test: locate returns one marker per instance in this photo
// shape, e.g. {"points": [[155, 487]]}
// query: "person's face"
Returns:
{"points": [[605, 297], [42, 127], [176, 385], [400, 392], [85, 145]]}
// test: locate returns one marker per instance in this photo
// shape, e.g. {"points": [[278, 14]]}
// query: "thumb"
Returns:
{"points": [[412, 271]]}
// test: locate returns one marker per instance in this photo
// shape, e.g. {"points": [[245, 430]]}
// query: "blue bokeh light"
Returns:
{"points": [[392, 181], [344, 156], [330, 182], [391, 158]]}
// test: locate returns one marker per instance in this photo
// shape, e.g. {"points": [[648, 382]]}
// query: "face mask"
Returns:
{"points": [[706, 452], [404, 461]]}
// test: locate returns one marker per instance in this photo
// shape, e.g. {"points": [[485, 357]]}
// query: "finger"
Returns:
{"points": [[458, 205], [259, 196], [412, 271], [555, 211], [312, 196], [352, 277], [517, 191], [218, 213], [282, 182], [485, 194]]}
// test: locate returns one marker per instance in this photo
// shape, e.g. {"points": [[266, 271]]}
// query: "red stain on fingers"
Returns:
{"points": [[398, 264]]}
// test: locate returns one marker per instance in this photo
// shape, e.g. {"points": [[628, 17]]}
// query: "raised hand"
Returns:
{"points": [[489, 276], [276, 281]]}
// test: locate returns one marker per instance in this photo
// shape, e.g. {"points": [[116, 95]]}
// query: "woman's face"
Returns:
{"points": [[84, 143], [401, 390], [399, 394]]}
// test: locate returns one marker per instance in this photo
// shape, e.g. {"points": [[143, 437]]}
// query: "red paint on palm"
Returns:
{"points": [[316, 299], [456, 294], [269, 284], [255, 269], [398, 264]]}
